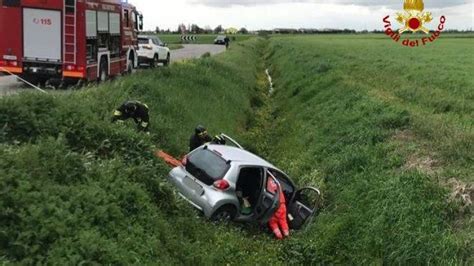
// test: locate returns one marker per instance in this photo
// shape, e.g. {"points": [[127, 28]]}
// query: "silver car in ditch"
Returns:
{"points": [[219, 179]]}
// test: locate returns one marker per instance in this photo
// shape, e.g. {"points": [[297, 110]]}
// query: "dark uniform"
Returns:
{"points": [[199, 138], [227, 42], [136, 110]]}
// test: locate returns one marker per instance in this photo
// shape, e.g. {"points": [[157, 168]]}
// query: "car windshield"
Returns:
{"points": [[206, 166], [143, 41], [220, 37]]}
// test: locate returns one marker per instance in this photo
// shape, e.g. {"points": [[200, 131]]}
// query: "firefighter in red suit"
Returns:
{"points": [[278, 223]]}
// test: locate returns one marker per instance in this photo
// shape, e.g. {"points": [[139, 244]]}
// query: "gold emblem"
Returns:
{"points": [[414, 18]]}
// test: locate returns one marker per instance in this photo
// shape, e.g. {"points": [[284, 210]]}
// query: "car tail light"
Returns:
{"points": [[3, 63], [184, 161], [70, 67], [221, 184]]}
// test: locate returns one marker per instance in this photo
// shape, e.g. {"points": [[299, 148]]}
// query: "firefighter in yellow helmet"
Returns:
{"points": [[201, 137], [137, 111]]}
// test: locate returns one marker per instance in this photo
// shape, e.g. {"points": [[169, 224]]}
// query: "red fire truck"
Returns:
{"points": [[68, 41]]}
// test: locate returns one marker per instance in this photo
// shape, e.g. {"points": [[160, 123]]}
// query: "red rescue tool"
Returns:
{"points": [[170, 160], [68, 41]]}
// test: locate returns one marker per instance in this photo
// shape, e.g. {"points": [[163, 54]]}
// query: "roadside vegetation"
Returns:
{"points": [[77, 189], [386, 132], [175, 46]]}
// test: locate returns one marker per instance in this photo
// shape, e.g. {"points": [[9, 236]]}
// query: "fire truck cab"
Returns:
{"points": [[68, 41]]}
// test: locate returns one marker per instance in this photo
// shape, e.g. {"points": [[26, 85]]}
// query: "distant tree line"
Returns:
{"points": [[196, 29], [311, 31]]}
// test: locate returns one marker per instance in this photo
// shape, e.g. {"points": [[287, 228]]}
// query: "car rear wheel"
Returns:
{"points": [[225, 213], [168, 60], [154, 62]]}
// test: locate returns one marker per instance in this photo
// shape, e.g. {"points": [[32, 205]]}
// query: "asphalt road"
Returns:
{"points": [[9, 84], [195, 51]]}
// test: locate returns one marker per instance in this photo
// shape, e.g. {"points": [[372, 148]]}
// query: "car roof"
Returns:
{"points": [[241, 156]]}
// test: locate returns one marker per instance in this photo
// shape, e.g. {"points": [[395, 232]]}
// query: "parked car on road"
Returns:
{"points": [[215, 179], [220, 40], [153, 51]]}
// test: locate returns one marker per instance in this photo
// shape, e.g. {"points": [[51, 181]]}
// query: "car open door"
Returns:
{"points": [[269, 199], [303, 207], [230, 140]]}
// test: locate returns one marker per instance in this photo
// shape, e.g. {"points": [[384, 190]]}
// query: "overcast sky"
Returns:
{"points": [[269, 14]]}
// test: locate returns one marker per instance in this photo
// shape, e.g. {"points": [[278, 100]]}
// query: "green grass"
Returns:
{"points": [[378, 127], [381, 128], [201, 38], [77, 189], [175, 46]]}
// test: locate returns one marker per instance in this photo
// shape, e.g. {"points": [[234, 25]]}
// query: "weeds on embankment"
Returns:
{"points": [[75, 188], [344, 108]]}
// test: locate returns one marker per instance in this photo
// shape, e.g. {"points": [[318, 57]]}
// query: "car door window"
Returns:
{"points": [[159, 42], [303, 207], [287, 185], [155, 42], [268, 199], [143, 41], [308, 197], [272, 186]]}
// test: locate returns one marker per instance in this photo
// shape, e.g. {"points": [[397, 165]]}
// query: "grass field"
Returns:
{"points": [[175, 46], [388, 132], [385, 131]]}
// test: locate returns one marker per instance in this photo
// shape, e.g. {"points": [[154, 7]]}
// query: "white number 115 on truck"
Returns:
{"points": [[68, 41]]}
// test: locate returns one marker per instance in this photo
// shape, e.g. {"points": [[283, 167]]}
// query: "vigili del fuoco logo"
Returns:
{"points": [[414, 19]]}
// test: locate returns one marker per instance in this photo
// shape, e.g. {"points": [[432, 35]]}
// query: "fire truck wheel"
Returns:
{"points": [[104, 73]]}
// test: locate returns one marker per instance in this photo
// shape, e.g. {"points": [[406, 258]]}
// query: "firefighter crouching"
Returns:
{"points": [[136, 110]]}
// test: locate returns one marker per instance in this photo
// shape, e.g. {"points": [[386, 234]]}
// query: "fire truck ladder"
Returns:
{"points": [[70, 22]]}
